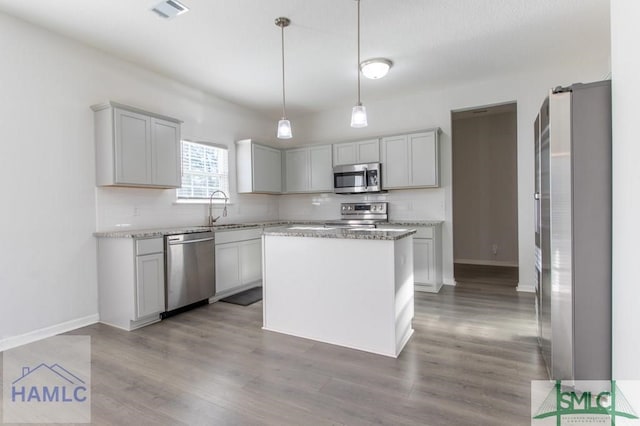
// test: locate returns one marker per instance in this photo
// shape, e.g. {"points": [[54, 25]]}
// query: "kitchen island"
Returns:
{"points": [[352, 288]]}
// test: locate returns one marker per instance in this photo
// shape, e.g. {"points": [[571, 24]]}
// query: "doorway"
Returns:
{"points": [[485, 195]]}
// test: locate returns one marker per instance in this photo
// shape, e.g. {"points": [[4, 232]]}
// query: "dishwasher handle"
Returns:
{"points": [[176, 241]]}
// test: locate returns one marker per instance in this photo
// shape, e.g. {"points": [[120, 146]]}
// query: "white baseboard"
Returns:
{"points": [[449, 281], [235, 290], [526, 288], [486, 262], [43, 333]]}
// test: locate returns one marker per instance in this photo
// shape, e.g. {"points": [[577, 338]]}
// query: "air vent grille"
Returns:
{"points": [[169, 9]]}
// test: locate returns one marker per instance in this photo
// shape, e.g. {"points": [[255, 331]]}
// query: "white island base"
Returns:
{"points": [[351, 292]]}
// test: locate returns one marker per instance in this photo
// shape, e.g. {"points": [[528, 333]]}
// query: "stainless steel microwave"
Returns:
{"points": [[357, 178]]}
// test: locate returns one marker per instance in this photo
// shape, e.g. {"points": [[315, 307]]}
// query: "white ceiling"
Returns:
{"points": [[231, 48]]}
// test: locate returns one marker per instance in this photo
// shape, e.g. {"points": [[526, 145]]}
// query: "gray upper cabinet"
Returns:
{"points": [[136, 147], [309, 169], [258, 168], [359, 152], [410, 160], [321, 170]]}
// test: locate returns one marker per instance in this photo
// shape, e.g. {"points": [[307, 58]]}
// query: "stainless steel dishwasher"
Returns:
{"points": [[190, 271]]}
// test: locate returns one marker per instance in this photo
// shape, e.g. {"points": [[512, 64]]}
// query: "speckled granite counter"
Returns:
{"points": [[358, 234], [408, 222], [160, 232]]}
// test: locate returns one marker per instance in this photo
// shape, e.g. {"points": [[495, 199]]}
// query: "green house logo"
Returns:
{"points": [[586, 406]]}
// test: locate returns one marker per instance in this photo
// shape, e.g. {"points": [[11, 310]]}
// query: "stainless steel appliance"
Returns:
{"points": [[357, 178], [573, 231], [190, 270], [361, 215]]}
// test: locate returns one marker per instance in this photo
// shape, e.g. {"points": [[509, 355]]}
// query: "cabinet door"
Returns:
{"points": [[165, 144], [297, 169], [250, 261], [423, 261], [267, 169], [395, 162], [132, 132], [227, 266], [368, 151], [149, 284], [321, 171], [423, 154], [344, 153]]}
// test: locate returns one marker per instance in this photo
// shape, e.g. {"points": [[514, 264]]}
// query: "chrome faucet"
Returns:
{"points": [[224, 211]]}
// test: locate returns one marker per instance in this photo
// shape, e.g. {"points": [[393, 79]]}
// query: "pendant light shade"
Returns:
{"points": [[284, 129], [359, 112], [284, 125], [359, 116]]}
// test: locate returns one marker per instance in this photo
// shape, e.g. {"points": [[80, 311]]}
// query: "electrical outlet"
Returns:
{"points": [[494, 248]]}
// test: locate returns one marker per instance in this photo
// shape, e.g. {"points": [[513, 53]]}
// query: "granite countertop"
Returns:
{"points": [[347, 233], [409, 222], [160, 232]]}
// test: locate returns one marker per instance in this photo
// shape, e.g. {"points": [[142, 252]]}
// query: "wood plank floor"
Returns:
{"points": [[470, 362], [486, 274]]}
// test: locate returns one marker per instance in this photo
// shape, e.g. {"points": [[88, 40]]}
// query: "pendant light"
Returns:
{"points": [[284, 125], [359, 112]]}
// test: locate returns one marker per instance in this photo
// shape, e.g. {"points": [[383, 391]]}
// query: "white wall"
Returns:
{"points": [[47, 253], [432, 108], [625, 68]]}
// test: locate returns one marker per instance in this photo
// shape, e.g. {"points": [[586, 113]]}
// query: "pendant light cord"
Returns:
{"points": [[283, 93], [358, 68]]}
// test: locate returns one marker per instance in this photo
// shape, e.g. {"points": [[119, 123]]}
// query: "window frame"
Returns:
{"points": [[204, 200]]}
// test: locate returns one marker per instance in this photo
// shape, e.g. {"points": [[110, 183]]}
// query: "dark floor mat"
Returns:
{"points": [[245, 298]]}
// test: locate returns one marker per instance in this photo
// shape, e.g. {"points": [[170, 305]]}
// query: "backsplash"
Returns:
{"points": [[135, 208], [416, 204]]}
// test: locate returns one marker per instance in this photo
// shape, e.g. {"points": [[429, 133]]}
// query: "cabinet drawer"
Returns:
{"points": [[423, 232], [231, 236], [149, 245]]}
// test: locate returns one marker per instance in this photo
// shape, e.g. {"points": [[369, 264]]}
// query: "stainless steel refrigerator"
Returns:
{"points": [[573, 231]]}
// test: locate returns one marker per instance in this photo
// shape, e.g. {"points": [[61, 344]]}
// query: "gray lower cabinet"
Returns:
{"points": [[427, 257], [130, 281], [238, 260], [136, 147], [149, 285]]}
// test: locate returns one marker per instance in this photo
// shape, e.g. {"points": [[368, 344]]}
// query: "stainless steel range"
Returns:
{"points": [[361, 215]]}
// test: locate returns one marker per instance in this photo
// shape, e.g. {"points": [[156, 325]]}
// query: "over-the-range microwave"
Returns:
{"points": [[357, 178]]}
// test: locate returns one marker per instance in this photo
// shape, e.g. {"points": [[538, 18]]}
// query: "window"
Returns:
{"points": [[205, 168]]}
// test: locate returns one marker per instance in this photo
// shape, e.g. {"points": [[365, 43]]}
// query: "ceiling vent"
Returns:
{"points": [[169, 9]]}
